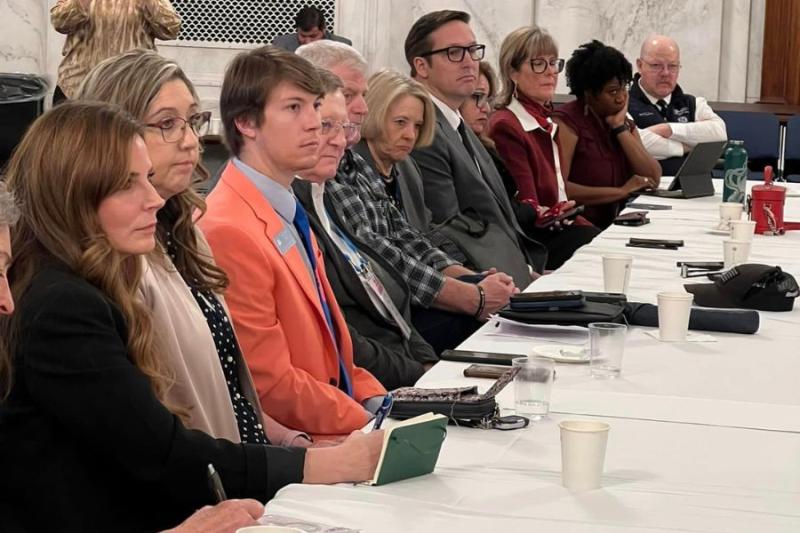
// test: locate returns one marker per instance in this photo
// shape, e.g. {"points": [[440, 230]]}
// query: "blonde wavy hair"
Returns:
{"points": [[133, 80], [72, 158], [384, 88]]}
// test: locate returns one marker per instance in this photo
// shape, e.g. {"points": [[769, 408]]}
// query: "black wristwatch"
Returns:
{"points": [[619, 129]]}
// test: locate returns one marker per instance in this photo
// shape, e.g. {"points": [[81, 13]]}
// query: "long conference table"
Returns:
{"points": [[705, 436]]}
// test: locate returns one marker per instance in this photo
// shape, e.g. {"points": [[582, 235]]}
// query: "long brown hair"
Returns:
{"points": [[133, 80], [72, 158]]}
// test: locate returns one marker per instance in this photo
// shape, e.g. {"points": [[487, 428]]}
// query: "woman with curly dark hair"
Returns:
{"points": [[602, 155]]}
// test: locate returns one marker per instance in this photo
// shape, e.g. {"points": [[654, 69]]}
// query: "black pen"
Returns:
{"points": [[215, 484]]}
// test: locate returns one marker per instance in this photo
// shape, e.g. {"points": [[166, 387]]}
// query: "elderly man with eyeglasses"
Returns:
{"points": [[462, 187], [671, 122]]}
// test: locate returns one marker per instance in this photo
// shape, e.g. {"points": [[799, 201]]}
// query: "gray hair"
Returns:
{"points": [[328, 54], [9, 212]]}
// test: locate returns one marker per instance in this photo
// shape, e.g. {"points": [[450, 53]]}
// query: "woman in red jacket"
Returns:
{"points": [[525, 137]]}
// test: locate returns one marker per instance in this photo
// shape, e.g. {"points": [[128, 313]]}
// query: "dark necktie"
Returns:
{"points": [[303, 228], [465, 140], [662, 108]]}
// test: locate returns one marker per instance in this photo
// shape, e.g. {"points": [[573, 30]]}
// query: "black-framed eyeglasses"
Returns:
{"points": [[456, 53], [482, 99], [539, 65], [174, 128], [334, 127]]}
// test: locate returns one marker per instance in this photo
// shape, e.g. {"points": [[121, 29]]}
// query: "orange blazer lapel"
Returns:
{"points": [[276, 232]]}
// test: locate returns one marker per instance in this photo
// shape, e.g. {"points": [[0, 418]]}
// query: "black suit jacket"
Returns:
{"points": [[84, 443], [378, 343]]}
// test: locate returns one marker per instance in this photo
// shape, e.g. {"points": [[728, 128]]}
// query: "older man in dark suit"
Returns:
{"points": [[462, 186]]}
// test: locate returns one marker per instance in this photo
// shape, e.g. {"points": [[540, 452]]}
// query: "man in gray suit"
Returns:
{"points": [[310, 26], [462, 187]]}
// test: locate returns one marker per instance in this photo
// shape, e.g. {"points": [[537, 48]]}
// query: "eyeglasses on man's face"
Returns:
{"points": [[672, 68], [331, 127], [539, 64], [174, 128], [482, 99], [456, 53]]}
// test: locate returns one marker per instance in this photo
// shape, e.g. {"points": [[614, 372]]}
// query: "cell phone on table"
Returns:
{"points": [[658, 244], [702, 265], [469, 356], [635, 218], [484, 371], [663, 242], [651, 207], [546, 296], [547, 300]]}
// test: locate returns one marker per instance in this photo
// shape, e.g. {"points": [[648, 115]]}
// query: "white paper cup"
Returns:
{"points": [[617, 272], [268, 529], [673, 315], [735, 252], [583, 451], [742, 230], [729, 211]]}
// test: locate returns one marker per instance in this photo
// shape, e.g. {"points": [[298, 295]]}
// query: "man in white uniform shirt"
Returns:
{"points": [[670, 121]]}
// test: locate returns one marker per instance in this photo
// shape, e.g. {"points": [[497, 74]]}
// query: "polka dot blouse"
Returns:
{"points": [[250, 429]]}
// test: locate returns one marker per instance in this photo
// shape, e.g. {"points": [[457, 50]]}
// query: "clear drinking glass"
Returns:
{"points": [[606, 347], [533, 382]]}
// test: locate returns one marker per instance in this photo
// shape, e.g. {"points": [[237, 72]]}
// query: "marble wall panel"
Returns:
{"points": [[624, 24], [734, 50], [23, 28]]}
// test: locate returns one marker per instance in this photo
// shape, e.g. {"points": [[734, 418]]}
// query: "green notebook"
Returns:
{"points": [[410, 448]]}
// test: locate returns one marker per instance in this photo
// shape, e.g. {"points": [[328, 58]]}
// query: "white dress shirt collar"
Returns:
{"points": [[453, 117]]}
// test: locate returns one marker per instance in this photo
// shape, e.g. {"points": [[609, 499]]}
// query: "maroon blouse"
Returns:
{"points": [[598, 160]]}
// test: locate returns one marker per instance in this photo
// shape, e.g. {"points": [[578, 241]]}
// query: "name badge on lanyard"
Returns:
{"points": [[377, 287], [373, 283]]}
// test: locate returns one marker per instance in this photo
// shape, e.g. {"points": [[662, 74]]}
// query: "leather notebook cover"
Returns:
{"points": [[410, 448]]}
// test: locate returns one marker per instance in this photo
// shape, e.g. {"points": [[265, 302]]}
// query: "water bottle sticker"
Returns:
{"points": [[735, 179]]}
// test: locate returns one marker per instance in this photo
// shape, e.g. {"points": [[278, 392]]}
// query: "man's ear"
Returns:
{"points": [[639, 64], [246, 127], [422, 67]]}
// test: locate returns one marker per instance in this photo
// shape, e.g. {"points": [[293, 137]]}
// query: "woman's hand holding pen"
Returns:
{"points": [[353, 460]]}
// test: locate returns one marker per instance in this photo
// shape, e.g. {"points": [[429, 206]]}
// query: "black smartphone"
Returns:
{"points": [[468, 356], [652, 207], [546, 296], [663, 242], [484, 371], [702, 265], [653, 246], [636, 218]]}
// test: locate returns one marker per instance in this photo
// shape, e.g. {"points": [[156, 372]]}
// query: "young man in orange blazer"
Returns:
{"points": [[290, 328]]}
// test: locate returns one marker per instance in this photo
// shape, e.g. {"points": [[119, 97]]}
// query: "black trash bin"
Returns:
{"points": [[21, 101]]}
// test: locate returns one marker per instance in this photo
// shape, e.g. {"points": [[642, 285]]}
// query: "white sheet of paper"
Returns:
{"points": [[505, 327]]}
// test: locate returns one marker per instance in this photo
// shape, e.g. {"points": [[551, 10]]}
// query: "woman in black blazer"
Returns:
{"points": [[85, 441]]}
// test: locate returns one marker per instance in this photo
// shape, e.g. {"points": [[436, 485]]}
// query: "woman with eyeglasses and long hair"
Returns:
{"points": [[524, 138], [181, 285], [603, 160]]}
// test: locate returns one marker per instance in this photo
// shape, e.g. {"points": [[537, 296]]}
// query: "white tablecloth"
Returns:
{"points": [[705, 436]]}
